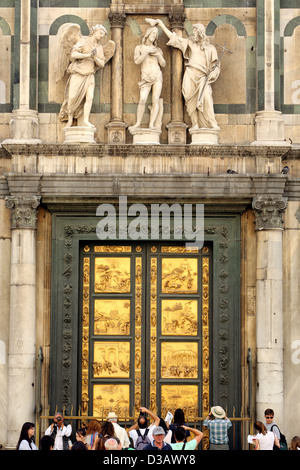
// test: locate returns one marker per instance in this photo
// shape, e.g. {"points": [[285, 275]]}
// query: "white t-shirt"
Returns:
{"points": [[266, 441], [24, 445], [134, 435]]}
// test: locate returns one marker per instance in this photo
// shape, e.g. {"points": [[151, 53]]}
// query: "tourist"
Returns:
{"points": [[113, 443], [179, 420], [168, 432], [264, 439], [60, 433], [141, 429], [107, 431], [119, 431], [158, 443], [46, 443], [26, 439], [182, 443], [295, 443], [270, 424], [92, 430], [79, 445], [218, 425]]}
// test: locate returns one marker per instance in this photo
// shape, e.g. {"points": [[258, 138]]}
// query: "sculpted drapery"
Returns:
{"points": [[201, 70]]}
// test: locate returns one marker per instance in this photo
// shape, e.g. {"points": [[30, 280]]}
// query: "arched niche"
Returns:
{"points": [[5, 69], [231, 86], [56, 87], [291, 62]]}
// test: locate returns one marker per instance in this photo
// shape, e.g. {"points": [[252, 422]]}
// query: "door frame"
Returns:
{"points": [[69, 230]]}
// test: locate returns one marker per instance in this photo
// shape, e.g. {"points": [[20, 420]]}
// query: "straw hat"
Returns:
{"points": [[218, 412], [112, 415]]}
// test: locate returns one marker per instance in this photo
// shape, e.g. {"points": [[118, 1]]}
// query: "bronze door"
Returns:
{"points": [[144, 328]]}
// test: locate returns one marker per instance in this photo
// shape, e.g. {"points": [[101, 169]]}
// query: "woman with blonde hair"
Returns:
{"points": [[264, 439]]}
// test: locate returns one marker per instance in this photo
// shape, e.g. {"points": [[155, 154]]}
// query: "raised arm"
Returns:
{"points": [[153, 416], [164, 28], [198, 434]]}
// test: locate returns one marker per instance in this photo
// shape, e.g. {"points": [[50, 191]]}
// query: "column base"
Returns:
{"points": [[24, 127], [269, 129], [144, 136], [176, 133], [80, 135], [116, 132], [204, 136]]}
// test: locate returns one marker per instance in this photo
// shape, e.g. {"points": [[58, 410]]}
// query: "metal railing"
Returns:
{"points": [[241, 426]]}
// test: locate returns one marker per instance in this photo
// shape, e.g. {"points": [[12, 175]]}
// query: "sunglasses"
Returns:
{"points": [[269, 417]]}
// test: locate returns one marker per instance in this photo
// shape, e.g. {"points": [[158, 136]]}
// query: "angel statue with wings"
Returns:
{"points": [[81, 57]]}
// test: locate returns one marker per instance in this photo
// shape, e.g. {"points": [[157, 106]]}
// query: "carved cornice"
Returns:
{"points": [[268, 212], [23, 211], [117, 19]]}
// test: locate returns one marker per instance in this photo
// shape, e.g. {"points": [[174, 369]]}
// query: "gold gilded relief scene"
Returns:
{"points": [[112, 317], [172, 396], [109, 397], [179, 275], [111, 359], [112, 275], [179, 317], [179, 360]]}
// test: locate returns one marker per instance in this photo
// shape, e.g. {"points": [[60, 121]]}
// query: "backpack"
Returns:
{"points": [[142, 441], [282, 440]]}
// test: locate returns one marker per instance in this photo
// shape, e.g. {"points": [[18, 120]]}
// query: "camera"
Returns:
{"points": [[58, 418]]}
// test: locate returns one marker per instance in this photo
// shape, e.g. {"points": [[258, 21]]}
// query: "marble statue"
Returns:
{"points": [[81, 57], [151, 59], [202, 68]]}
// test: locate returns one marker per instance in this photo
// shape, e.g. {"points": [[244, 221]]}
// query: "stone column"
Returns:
{"points": [[22, 334], [269, 305], [269, 125], [116, 127], [177, 127], [24, 126]]}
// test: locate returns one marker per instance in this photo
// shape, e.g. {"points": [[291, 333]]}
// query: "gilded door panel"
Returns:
{"points": [[179, 317], [112, 275], [111, 359], [112, 316]]}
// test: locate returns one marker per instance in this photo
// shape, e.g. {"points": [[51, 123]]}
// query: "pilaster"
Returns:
{"points": [[117, 127], [269, 124], [268, 213], [22, 337], [176, 127], [24, 124]]}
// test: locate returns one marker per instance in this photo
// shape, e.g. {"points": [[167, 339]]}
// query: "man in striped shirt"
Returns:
{"points": [[218, 425]]}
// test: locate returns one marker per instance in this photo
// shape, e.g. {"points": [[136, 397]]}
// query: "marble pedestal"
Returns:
{"points": [[176, 133], [204, 136], [144, 136], [24, 127], [269, 129], [79, 135]]}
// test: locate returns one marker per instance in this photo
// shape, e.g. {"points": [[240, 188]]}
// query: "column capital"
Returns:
{"points": [[23, 210], [268, 212], [177, 18], [117, 19]]}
